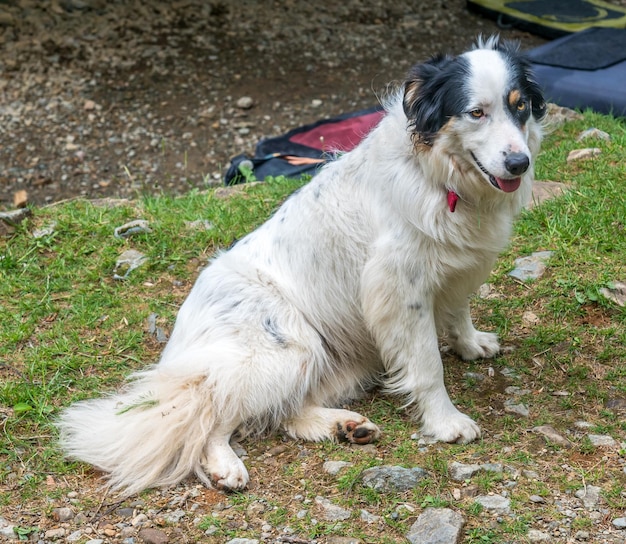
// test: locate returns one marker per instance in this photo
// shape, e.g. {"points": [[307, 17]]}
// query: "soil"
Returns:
{"points": [[109, 98]]}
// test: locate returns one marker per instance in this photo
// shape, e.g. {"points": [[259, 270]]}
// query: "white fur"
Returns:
{"points": [[347, 285]]}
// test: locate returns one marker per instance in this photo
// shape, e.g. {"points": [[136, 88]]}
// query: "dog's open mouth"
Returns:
{"points": [[504, 184]]}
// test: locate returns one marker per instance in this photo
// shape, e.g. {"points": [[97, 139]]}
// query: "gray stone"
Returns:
{"points": [[6, 529], [537, 499], [601, 440], [368, 517], [54, 534], [593, 133], [175, 516], [343, 540], [551, 435], [153, 536], [62, 514], [393, 478], [437, 526], [460, 472], [334, 467], [589, 495], [138, 226], [581, 154], [582, 535], [245, 102], [615, 292], [243, 541], [127, 262], [332, 512], [538, 536], [494, 503], [619, 523], [511, 406], [531, 267]]}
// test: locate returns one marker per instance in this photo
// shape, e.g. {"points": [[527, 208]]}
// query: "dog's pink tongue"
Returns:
{"points": [[509, 185]]}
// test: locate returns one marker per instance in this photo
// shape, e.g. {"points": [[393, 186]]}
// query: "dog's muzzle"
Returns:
{"points": [[515, 163]]}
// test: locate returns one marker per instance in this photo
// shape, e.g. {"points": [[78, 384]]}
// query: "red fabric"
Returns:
{"points": [[339, 136]]}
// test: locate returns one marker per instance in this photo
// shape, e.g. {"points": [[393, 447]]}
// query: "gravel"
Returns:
{"points": [[114, 98]]}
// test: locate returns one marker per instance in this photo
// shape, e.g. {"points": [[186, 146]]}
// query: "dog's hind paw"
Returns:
{"points": [[481, 345], [457, 428], [363, 432]]}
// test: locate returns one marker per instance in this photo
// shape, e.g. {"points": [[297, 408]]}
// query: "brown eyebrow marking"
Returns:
{"points": [[514, 97]]}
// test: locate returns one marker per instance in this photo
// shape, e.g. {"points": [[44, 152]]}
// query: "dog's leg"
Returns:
{"points": [[465, 340], [399, 311], [316, 423], [224, 469]]}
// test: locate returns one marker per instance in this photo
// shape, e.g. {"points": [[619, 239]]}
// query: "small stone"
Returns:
{"points": [[551, 435], [343, 540], [537, 499], [437, 526], [332, 512], [461, 472], [368, 517], [529, 319], [538, 536], [593, 133], [245, 103], [392, 478], [153, 536], [581, 154], [619, 523], [243, 541], [615, 292], [20, 198], [601, 440], [531, 267], [590, 496], [582, 535], [530, 474], [6, 528], [89, 105], [334, 467], [138, 226], [54, 534], [583, 425], [316, 103], [127, 262], [62, 514], [139, 520], [513, 407], [175, 516], [494, 503]]}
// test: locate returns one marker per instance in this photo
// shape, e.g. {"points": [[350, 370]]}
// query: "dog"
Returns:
{"points": [[348, 285]]}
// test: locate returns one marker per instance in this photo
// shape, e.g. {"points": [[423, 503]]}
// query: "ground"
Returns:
{"points": [[114, 98]]}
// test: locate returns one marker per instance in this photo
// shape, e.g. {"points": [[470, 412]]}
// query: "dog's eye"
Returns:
{"points": [[477, 113], [521, 105]]}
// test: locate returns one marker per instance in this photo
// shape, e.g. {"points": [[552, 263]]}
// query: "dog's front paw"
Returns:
{"points": [[357, 432], [453, 428], [481, 345], [226, 471]]}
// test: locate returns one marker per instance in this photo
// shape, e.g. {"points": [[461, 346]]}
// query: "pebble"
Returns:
{"points": [[511, 406], [437, 526], [6, 528], [332, 512], [387, 478], [538, 536], [594, 133], [581, 154], [461, 472], [551, 435], [128, 261], [494, 503], [243, 541], [153, 536], [334, 467], [62, 514], [531, 267], [537, 499], [619, 523], [245, 103], [601, 440], [615, 292], [590, 496], [54, 534]]}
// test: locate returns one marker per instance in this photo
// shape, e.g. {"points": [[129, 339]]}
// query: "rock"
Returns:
{"points": [[615, 292], [529, 319], [343, 540], [545, 190], [531, 267], [511, 406], [44, 231], [582, 535], [392, 478], [590, 496], [20, 198], [538, 536], [138, 226], [127, 262], [62, 514], [6, 529], [619, 523], [175, 516], [581, 154], [245, 103], [332, 512], [334, 467], [368, 517], [617, 404], [551, 435], [537, 499], [494, 503], [460, 472], [199, 224], [593, 133], [557, 115], [601, 440], [54, 534], [437, 526], [153, 536]]}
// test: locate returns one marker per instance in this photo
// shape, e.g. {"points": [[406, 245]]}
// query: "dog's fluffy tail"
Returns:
{"points": [[152, 434]]}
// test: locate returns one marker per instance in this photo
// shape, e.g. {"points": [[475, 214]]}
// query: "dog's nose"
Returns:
{"points": [[517, 163]]}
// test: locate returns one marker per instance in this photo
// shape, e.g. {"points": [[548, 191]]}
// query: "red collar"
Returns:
{"points": [[452, 199]]}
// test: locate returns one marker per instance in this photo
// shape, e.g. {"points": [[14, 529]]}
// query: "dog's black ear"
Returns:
{"points": [[537, 100], [430, 96]]}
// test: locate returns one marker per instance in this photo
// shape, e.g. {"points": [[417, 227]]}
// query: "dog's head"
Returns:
{"points": [[483, 106]]}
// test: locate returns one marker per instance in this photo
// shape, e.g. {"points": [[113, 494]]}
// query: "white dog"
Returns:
{"points": [[347, 285]]}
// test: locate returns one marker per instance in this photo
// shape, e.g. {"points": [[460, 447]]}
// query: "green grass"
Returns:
{"points": [[69, 331]]}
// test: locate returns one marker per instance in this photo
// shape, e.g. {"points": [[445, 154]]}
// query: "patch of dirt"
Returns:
{"points": [[109, 98]]}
